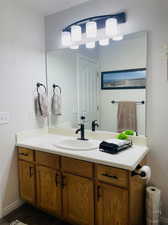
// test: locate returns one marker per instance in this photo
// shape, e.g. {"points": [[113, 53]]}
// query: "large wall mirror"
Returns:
{"points": [[98, 82]]}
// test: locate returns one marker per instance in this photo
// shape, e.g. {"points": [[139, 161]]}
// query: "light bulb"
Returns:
{"points": [[74, 47], [104, 42], [76, 33], [66, 38], [111, 27], [90, 44], [118, 38], [91, 29]]}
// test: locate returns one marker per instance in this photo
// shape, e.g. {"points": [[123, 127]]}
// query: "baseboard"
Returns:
{"points": [[163, 221], [11, 207]]}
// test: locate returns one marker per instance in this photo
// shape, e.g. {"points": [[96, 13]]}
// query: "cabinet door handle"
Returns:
{"points": [[109, 176], [24, 154], [31, 169], [56, 179], [63, 181], [98, 192]]}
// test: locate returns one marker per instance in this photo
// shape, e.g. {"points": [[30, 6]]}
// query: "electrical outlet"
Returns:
{"points": [[4, 118]]}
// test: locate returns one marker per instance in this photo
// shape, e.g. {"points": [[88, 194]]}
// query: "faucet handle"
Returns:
{"points": [[95, 122], [83, 120]]}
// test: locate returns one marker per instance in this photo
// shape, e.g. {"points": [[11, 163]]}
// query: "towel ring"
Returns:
{"points": [[56, 86], [41, 85]]}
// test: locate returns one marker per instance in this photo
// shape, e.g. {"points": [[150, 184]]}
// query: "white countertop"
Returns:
{"points": [[127, 159]]}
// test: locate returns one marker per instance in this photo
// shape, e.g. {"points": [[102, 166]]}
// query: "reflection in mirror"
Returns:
{"points": [[107, 84]]}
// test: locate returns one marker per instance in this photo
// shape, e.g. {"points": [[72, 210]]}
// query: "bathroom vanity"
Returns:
{"points": [[78, 185], [84, 188]]}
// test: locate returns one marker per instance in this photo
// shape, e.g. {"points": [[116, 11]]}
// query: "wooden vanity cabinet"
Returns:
{"points": [[49, 190], [112, 202], [27, 181], [111, 205], [26, 154], [48, 182], [78, 205], [80, 192]]}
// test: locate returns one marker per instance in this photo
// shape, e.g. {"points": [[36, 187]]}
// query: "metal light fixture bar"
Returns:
{"points": [[100, 20]]}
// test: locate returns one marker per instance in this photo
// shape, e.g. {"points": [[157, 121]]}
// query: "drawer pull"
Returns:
{"points": [[24, 154], [63, 181], [109, 176]]}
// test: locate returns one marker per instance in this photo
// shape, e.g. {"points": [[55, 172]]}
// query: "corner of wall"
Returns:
{"points": [[14, 205]]}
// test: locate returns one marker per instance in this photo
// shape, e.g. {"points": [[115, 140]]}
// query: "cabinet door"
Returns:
{"points": [[48, 190], [78, 204], [27, 181], [111, 205]]}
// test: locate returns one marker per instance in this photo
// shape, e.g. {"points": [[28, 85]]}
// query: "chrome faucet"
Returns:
{"points": [[94, 125]]}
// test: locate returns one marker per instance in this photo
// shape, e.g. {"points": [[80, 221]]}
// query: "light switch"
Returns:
{"points": [[4, 118]]}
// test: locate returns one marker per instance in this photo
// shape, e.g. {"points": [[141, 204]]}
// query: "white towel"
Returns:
{"points": [[56, 104], [118, 142], [41, 105]]}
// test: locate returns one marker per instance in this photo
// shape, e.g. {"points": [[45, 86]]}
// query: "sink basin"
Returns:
{"points": [[78, 145]]}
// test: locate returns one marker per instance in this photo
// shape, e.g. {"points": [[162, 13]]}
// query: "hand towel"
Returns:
{"points": [[114, 146], [41, 105], [127, 116], [117, 142], [56, 104]]}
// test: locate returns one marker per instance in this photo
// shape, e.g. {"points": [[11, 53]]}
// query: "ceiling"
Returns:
{"points": [[47, 7]]}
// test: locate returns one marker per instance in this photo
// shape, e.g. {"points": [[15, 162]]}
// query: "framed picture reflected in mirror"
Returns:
{"points": [[124, 79]]}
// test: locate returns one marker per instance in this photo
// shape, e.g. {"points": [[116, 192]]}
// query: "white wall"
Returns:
{"points": [[129, 53], [148, 15], [62, 70], [22, 64]]}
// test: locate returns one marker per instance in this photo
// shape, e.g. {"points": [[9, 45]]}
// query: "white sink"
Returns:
{"points": [[77, 145]]}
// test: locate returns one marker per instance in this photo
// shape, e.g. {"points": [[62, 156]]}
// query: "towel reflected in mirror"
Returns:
{"points": [[127, 116]]}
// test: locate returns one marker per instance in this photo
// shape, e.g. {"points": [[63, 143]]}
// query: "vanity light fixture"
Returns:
{"points": [[111, 27], [104, 42], [66, 38], [118, 38], [90, 30], [76, 34], [74, 47], [90, 44]]}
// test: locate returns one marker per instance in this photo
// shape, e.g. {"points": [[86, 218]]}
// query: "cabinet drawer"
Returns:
{"points": [[26, 154], [47, 159], [77, 167], [112, 175]]}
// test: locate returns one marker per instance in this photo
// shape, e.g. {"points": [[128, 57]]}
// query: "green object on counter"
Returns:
{"points": [[122, 136], [129, 132]]}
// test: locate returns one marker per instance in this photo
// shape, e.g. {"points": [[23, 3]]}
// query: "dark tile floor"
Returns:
{"points": [[31, 216]]}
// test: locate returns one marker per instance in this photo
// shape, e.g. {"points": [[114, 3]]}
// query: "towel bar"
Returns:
{"points": [[140, 102]]}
